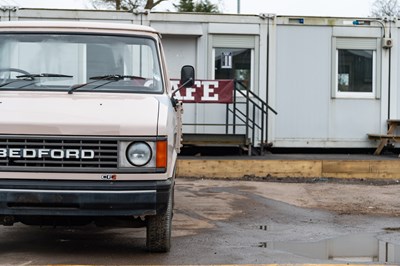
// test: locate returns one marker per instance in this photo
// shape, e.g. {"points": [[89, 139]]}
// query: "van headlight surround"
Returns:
{"points": [[139, 153]]}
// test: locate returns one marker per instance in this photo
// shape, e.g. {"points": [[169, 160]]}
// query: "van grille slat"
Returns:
{"points": [[105, 153]]}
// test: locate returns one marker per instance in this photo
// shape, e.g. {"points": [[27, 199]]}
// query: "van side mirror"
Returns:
{"points": [[187, 79], [187, 76]]}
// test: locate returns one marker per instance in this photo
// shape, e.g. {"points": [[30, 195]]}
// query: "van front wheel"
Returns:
{"points": [[158, 233]]}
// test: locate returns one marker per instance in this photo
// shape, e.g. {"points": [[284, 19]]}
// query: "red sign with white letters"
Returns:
{"points": [[205, 91]]}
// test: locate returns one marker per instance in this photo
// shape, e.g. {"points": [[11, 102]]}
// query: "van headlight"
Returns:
{"points": [[143, 155], [139, 153]]}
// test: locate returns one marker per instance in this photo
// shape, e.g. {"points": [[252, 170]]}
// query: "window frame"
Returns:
{"points": [[218, 41], [366, 44], [252, 64]]}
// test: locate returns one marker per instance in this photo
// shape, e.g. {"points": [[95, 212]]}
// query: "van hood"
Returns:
{"points": [[59, 113]]}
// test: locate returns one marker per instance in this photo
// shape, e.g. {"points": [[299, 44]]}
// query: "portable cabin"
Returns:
{"points": [[308, 82]]}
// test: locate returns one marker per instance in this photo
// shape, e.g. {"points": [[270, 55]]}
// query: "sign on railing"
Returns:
{"points": [[205, 91]]}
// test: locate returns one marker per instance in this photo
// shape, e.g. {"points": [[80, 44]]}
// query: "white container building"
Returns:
{"points": [[330, 80]]}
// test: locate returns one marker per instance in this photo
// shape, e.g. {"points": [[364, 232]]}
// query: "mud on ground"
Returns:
{"points": [[343, 197]]}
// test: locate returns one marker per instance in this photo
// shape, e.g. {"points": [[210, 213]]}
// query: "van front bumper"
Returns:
{"points": [[83, 198]]}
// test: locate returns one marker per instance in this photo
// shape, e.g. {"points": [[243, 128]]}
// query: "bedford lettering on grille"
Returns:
{"points": [[46, 153]]}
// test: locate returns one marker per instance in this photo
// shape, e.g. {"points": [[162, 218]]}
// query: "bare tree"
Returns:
{"points": [[127, 4], [150, 4], [385, 8]]}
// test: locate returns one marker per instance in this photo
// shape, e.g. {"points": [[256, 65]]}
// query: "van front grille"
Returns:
{"points": [[65, 154]]}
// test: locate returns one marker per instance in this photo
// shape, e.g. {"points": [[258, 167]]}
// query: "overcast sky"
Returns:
{"points": [[337, 8]]}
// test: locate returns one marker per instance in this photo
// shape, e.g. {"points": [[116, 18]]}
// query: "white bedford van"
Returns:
{"points": [[89, 128]]}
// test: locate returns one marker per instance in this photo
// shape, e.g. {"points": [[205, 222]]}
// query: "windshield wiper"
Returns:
{"points": [[108, 78], [44, 75], [31, 77], [116, 77]]}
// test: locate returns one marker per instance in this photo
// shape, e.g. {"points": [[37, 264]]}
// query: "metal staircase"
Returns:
{"points": [[246, 124]]}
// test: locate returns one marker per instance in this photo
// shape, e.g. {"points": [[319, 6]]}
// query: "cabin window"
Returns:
{"points": [[235, 57], [355, 64], [234, 63], [355, 70]]}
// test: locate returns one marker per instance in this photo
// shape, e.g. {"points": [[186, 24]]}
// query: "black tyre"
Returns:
{"points": [[158, 237]]}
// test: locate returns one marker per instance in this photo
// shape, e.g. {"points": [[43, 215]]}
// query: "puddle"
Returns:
{"points": [[352, 248]]}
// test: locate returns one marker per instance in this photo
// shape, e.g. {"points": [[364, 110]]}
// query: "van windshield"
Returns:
{"points": [[63, 61]]}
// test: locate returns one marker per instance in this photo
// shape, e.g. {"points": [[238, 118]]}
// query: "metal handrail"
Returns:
{"points": [[255, 120], [244, 122], [254, 96], [250, 114]]}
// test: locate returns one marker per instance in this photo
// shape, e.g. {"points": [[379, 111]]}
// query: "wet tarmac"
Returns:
{"points": [[230, 222]]}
